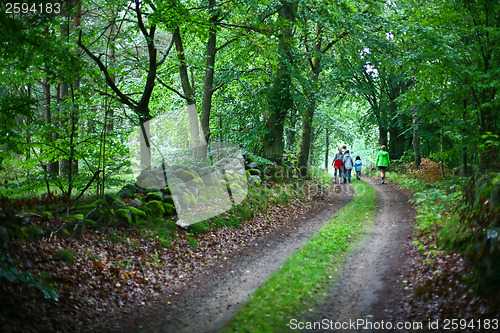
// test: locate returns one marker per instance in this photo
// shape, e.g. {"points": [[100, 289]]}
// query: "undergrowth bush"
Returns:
{"points": [[435, 206], [8, 273], [428, 171]]}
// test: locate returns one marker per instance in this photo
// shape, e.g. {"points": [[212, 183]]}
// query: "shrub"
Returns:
{"points": [[429, 171]]}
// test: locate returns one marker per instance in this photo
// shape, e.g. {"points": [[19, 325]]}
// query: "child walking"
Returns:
{"points": [[357, 167]]}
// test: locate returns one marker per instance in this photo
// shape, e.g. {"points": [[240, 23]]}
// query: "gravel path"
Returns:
{"points": [[214, 296], [369, 288]]}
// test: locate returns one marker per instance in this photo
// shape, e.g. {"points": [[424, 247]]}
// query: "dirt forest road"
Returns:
{"points": [[215, 295], [367, 286]]}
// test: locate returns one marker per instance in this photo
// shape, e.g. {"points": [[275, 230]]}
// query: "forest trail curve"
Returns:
{"points": [[370, 286]]}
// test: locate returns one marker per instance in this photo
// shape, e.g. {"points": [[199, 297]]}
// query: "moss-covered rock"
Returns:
{"points": [[47, 214], [91, 223], [146, 210], [169, 209], [191, 200], [228, 177], [16, 233], [66, 256], [98, 211], [110, 198], [34, 233], [198, 181], [154, 196], [186, 176], [127, 191], [168, 199], [254, 172], [85, 209], [202, 199], [152, 189], [75, 227], [123, 215], [118, 204], [156, 208], [138, 215], [236, 189]]}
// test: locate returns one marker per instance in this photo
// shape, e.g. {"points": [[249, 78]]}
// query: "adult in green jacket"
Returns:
{"points": [[382, 161]]}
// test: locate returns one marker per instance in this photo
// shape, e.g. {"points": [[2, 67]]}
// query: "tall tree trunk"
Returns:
{"points": [[199, 148], [64, 119], [396, 142], [416, 139], [111, 61], [187, 89], [382, 135], [327, 148], [280, 98], [75, 112], [291, 132], [464, 141], [305, 138], [51, 137], [307, 119], [441, 134], [208, 84]]}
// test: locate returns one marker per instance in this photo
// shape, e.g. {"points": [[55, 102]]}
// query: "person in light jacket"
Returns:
{"points": [[348, 164], [382, 161], [357, 167]]}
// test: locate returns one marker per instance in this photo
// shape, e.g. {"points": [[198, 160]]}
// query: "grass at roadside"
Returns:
{"points": [[299, 284]]}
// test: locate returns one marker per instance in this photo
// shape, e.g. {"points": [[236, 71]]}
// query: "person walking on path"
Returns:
{"points": [[337, 165], [382, 161], [348, 164], [357, 167]]}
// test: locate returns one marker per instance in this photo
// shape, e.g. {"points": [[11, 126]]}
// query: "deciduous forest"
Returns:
{"points": [[101, 207]]}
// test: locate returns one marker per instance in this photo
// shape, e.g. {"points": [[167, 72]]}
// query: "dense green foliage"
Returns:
{"points": [[297, 77]]}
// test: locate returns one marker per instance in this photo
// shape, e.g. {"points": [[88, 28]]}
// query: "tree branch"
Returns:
{"points": [[120, 96], [224, 45], [170, 88], [333, 42], [167, 51]]}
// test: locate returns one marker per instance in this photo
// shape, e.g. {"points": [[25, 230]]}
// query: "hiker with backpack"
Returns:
{"points": [[348, 164], [338, 165]]}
